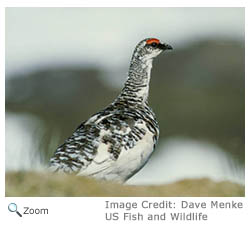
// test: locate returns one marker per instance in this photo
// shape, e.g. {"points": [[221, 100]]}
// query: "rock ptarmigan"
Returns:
{"points": [[116, 142]]}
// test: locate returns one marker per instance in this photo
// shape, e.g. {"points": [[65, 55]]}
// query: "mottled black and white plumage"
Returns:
{"points": [[116, 142]]}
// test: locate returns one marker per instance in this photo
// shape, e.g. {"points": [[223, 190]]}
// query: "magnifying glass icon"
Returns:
{"points": [[12, 207]]}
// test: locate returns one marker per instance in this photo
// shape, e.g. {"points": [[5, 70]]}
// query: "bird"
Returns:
{"points": [[115, 143]]}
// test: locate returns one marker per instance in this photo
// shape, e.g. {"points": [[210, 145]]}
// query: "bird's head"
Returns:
{"points": [[149, 48]]}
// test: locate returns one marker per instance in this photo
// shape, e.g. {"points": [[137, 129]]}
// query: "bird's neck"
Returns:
{"points": [[136, 87]]}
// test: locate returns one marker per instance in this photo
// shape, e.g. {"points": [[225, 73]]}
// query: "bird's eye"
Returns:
{"points": [[154, 44]]}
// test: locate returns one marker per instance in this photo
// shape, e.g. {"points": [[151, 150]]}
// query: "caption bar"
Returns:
{"points": [[164, 210]]}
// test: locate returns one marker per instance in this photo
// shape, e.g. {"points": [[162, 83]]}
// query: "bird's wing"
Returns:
{"points": [[119, 153], [79, 150], [126, 141], [97, 143]]}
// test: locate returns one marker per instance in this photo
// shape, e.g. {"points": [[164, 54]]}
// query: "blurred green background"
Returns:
{"points": [[55, 80]]}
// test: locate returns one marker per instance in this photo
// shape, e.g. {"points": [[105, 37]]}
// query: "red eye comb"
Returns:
{"points": [[150, 41]]}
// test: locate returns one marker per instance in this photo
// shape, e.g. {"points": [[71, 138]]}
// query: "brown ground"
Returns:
{"points": [[44, 184]]}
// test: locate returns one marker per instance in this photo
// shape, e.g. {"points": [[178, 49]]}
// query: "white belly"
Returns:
{"points": [[128, 162]]}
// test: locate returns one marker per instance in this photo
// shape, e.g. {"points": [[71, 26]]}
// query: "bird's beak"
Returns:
{"points": [[164, 46]]}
